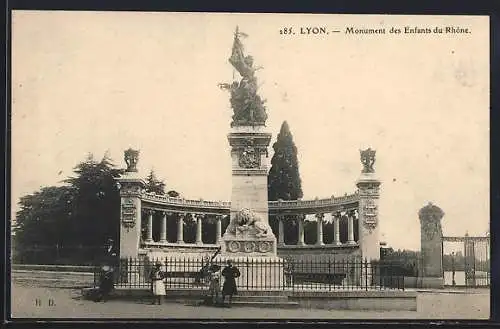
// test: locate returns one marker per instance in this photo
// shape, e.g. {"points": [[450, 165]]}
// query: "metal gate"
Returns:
{"points": [[466, 261]]}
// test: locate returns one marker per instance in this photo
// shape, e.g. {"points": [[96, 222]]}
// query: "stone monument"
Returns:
{"points": [[248, 235], [369, 192], [431, 246], [131, 187]]}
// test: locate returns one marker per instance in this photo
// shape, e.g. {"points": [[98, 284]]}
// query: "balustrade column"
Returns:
{"points": [[180, 228], [281, 231], [319, 228], [199, 229], [336, 227], [218, 229], [163, 232], [300, 220], [350, 227], [149, 236]]}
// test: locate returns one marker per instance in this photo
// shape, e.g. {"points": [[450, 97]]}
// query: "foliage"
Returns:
{"points": [[154, 185], [83, 212], [173, 194], [44, 216], [284, 179], [400, 262], [96, 211]]}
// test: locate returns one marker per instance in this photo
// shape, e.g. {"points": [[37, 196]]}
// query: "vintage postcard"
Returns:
{"points": [[249, 166]]}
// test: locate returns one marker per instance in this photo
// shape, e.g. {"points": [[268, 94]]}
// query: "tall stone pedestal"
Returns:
{"points": [[249, 233], [130, 215], [250, 166], [249, 241], [368, 220], [431, 246], [130, 185]]}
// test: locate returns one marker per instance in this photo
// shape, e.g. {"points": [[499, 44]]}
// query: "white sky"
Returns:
{"points": [[95, 81]]}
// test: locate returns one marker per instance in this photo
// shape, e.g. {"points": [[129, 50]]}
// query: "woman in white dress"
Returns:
{"points": [[157, 284]]}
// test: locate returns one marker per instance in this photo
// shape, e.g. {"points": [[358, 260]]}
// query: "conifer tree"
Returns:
{"points": [[284, 179], [154, 185]]}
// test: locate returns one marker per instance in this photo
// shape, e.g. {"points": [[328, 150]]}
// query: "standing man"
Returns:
{"points": [[110, 253], [230, 273]]}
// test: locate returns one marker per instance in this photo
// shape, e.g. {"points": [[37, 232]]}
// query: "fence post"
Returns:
{"points": [[329, 274], [366, 274], [247, 265]]}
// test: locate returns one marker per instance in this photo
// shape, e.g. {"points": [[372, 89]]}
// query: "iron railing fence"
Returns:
{"points": [[262, 274]]}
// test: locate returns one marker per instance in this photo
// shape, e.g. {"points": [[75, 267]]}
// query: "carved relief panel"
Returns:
{"points": [[370, 214], [129, 213]]}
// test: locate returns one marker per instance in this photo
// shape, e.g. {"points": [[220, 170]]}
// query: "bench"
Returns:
{"points": [[332, 278]]}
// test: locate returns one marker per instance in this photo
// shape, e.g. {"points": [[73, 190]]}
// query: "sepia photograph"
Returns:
{"points": [[219, 166]]}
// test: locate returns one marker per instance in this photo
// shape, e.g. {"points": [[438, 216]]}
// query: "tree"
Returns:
{"points": [[96, 211], [283, 180], [85, 212], [154, 185], [43, 219], [173, 194]]}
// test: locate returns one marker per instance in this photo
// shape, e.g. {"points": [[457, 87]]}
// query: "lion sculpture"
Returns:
{"points": [[246, 221]]}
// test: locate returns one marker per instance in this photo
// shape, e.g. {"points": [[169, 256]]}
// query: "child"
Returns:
{"points": [[214, 289], [157, 285]]}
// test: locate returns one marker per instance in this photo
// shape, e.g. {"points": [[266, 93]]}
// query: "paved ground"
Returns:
{"points": [[66, 303]]}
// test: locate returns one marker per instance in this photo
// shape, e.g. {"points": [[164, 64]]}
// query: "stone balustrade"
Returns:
{"points": [[162, 202]]}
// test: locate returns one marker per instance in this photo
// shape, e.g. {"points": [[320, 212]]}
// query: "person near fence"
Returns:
{"points": [[230, 273], [106, 284], [157, 277], [204, 271], [214, 288], [288, 271]]}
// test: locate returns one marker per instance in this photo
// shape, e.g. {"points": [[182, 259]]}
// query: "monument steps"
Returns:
{"points": [[260, 298], [265, 304]]}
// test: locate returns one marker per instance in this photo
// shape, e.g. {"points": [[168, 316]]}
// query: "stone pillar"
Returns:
{"points": [[300, 220], [130, 185], [180, 228], [149, 231], [336, 227], [319, 229], [281, 231], [431, 244], [350, 227], [369, 192], [163, 232], [218, 228], [199, 224]]}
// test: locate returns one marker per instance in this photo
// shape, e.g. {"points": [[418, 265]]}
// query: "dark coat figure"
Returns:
{"points": [[230, 273], [106, 284]]}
